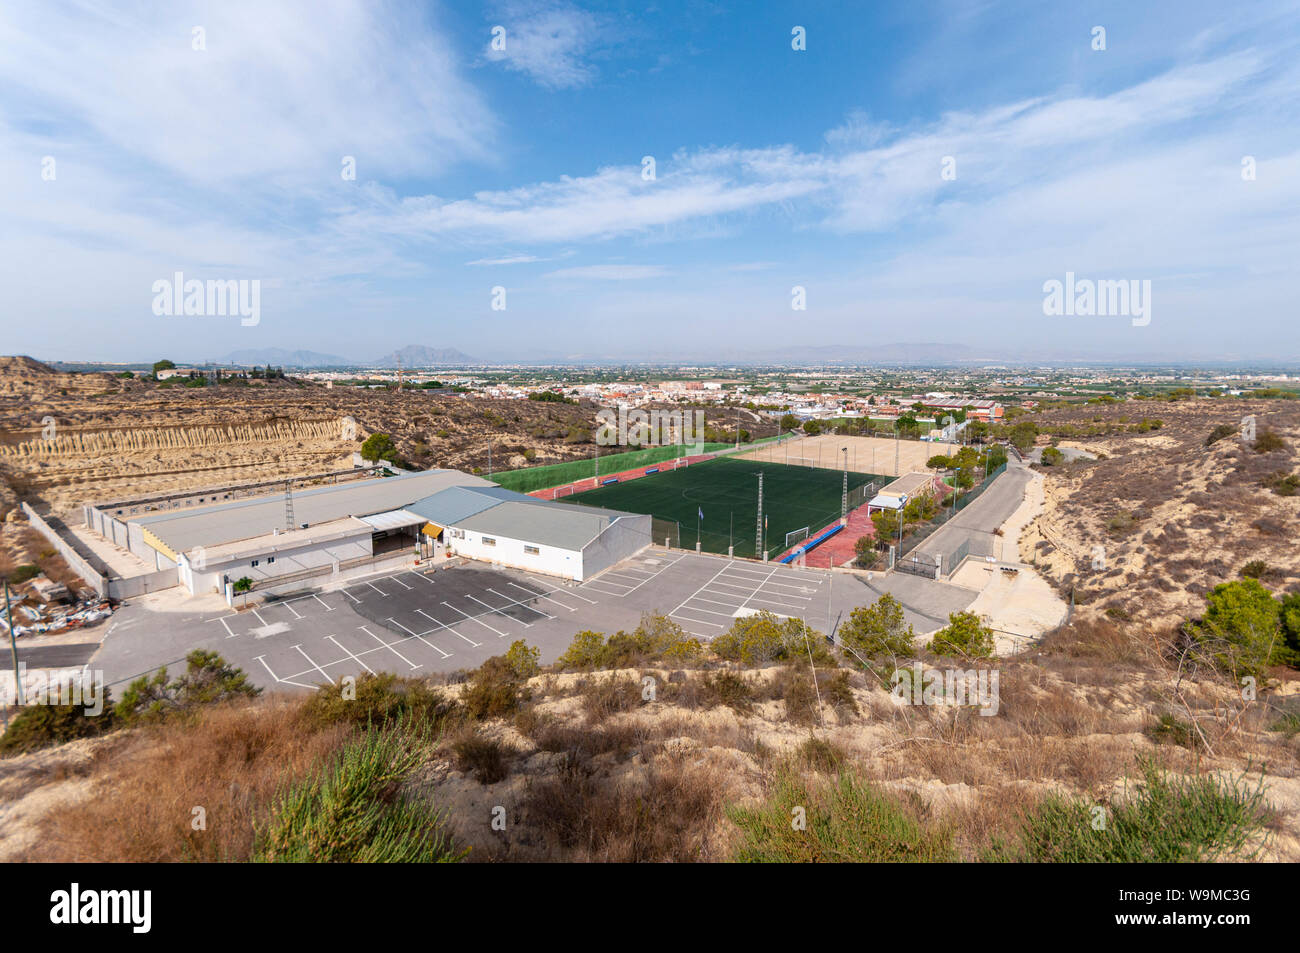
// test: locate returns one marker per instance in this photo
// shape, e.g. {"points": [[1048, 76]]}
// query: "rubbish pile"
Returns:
{"points": [[57, 618]]}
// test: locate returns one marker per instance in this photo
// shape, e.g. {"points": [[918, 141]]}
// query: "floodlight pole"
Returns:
{"points": [[758, 526]]}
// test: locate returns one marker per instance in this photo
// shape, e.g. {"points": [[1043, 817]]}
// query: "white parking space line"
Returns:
{"points": [[293, 610], [520, 603], [282, 681], [697, 621], [449, 628], [389, 647], [595, 584], [420, 575], [497, 611], [328, 607], [350, 596], [699, 590], [222, 620], [354, 658], [417, 635], [313, 664], [499, 633], [400, 583], [570, 592], [259, 618], [725, 615], [376, 588]]}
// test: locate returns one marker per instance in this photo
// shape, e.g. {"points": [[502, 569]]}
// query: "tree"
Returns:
{"points": [[939, 462], [812, 428], [865, 548], [208, 679], [879, 630], [1052, 457], [1241, 627], [886, 523], [965, 635], [163, 365], [1290, 618], [379, 446], [1023, 435], [789, 422]]}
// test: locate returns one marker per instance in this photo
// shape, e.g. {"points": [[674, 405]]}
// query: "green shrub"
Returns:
{"points": [[1256, 569], [208, 679], [1051, 456], [1241, 629], [656, 638], [1268, 440], [1219, 433], [1167, 820], [845, 821], [380, 700], [20, 574], [43, 726], [760, 638], [1172, 731], [523, 659], [494, 690], [878, 630], [730, 689], [965, 635], [354, 811]]}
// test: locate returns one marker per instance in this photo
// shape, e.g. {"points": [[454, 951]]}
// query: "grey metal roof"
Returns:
{"points": [[244, 519], [448, 507], [537, 521]]}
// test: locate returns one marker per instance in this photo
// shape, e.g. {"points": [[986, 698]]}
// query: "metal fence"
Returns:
{"points": [[924, 532], [666, 533]]}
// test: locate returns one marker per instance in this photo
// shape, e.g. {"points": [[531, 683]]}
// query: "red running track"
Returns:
{"points": [[592, 483]]}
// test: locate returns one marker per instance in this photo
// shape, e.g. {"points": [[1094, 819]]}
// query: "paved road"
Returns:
{"points": [[976, 523]]}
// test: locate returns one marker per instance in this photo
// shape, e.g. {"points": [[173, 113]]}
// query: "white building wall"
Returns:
{"points": [[510, 552]]}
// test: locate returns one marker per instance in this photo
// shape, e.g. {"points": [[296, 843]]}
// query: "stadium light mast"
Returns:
{"points": [[758, 524], [844, 496]]}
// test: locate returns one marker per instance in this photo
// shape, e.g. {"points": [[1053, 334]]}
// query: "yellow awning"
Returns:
{"points": [[431, 530]]}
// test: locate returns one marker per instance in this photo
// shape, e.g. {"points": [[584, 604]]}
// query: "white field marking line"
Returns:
{"points": [[389, 647], [522, 604], [376, 588], [420, 636], [282, 681], [448, 628], [350, 596], [312, 663], [701, 589], [354, 658], [400, 583], [495, 611], [328, 607], [471, 618]]}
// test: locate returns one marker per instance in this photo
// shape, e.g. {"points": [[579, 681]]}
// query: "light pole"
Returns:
{"points": [[844, 495]]}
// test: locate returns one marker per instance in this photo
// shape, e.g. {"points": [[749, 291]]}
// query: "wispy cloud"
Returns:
{"points": [[549, 42], [611, 272]]}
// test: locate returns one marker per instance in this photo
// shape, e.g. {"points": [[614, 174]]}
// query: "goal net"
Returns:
{"points": [[809, 462], [795, 536], [564, 491]]}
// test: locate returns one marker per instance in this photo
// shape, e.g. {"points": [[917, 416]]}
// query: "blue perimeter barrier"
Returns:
{"points": [[652, 470], [811, 544], [609, 481]]}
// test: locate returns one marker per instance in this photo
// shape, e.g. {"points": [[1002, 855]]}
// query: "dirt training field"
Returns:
{"points": [[866, 454]]}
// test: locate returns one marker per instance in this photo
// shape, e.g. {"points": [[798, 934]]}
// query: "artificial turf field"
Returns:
{"points": [[727, 491]]}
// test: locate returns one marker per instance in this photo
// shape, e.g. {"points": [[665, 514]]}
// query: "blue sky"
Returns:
{"points": [[775, 168]]}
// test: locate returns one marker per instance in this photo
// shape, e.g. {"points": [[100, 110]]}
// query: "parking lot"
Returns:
{"points": [[418, 621]]}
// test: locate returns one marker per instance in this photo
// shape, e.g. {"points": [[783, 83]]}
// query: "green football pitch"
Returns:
{"points": [[726, 491]]}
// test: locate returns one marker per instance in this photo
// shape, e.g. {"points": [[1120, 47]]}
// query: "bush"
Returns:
{"points": [[494, 690], [1219, 433], [1268, 440], [1167, 821], [939, 462], [730, 689], [759, 638], [354, 811], [656, 638], [605, 696], [379, 446], [208, 679], [378, 700], [1052, 457], [482, 757], [43, 726], [1283, 483], [1240, 631], [965, 635], [878, 630], [20, 574], [1256, 569], [523, 659], [847, 821]]}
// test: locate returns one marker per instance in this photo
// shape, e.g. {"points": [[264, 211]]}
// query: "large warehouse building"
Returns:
{"points": [[318, 532]]}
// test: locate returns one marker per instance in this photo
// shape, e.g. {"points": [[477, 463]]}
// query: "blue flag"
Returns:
{"points": [[701, 512]]}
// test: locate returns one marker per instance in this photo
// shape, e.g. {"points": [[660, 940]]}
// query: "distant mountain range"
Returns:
{"points": [[413, 355]]}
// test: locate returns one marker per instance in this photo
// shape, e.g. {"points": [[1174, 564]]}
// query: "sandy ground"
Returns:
{"points": [[866, 454]]}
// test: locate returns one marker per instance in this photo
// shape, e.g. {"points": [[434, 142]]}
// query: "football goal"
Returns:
{"points": [[795, 536]]}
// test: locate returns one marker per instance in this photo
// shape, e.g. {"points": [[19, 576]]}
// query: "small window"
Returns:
{"points": [[489, 541], [270, 559], [532, 550], [254, 562]]}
